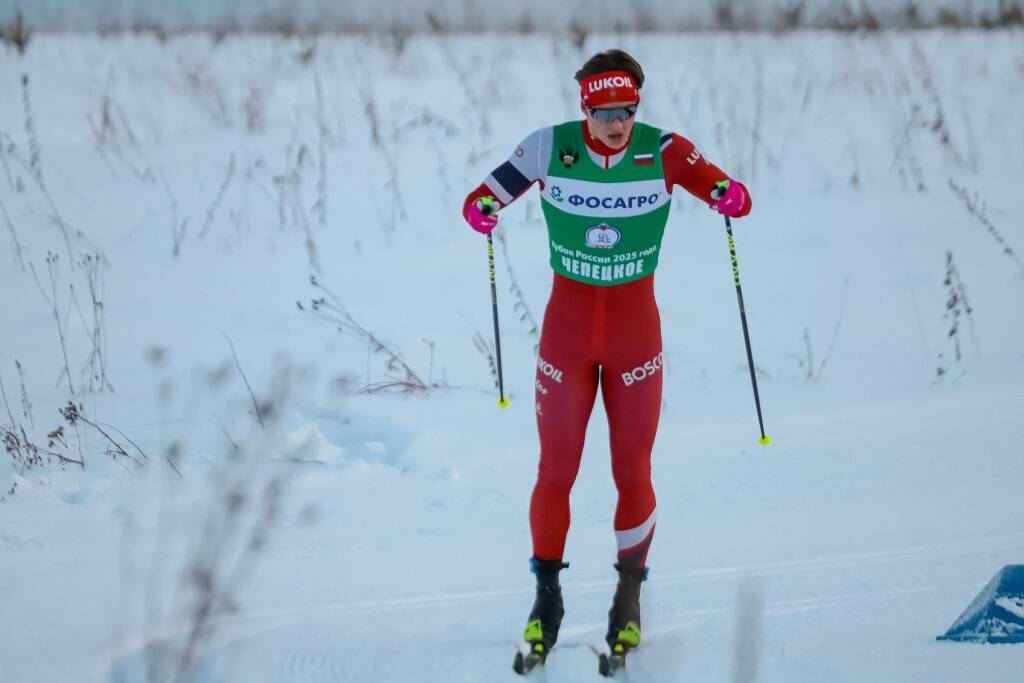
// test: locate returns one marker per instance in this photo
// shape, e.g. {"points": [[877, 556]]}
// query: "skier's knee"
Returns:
{"points": [[631, 478], [556, 479]]}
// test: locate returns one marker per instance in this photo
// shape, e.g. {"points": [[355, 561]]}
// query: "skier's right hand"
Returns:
{"points": [[482, 214]]}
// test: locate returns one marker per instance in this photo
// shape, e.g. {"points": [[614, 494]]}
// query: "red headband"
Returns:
{"points": [[610, 86]]}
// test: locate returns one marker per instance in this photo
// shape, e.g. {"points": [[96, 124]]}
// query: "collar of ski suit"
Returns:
{"points": [[601, 148]]}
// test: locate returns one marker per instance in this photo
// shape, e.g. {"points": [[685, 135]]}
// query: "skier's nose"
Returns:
{"points": [[618, 126]]}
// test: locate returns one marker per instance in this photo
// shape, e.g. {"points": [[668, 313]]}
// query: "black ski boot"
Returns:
{"points": [[623, 618], [545, 618]]}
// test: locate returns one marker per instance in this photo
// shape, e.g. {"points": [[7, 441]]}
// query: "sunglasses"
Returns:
{"points": [[614, 114]]}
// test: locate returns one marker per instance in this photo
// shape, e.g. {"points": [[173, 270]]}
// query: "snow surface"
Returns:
{"points": [[395, 539], [1014, 606], [474, 15]]}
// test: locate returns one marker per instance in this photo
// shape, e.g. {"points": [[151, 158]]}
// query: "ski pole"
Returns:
{"points": [[487, 209], [716, 194]]}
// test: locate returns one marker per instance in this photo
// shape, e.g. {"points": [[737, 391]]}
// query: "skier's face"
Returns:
{"points": [[615, 134]]}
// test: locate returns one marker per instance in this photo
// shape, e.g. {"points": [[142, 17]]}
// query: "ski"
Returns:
{"points": [[609, 664], [524, 664]]}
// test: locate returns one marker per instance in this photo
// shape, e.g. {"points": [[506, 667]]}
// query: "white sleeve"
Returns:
{"points": [[527, 164]]}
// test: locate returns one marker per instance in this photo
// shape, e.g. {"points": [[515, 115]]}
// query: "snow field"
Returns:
{"points": [[889, 497]]}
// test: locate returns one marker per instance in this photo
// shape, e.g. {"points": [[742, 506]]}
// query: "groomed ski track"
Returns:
{"points": [[835, 583]]}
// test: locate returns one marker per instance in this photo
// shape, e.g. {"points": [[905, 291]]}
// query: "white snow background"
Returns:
{"points": [[375, 528], [569, 16]]}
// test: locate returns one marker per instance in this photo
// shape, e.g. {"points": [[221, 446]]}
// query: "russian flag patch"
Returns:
{"points": [[643, 159]]}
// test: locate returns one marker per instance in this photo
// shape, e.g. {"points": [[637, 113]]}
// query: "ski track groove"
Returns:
{"points": [[774, 568], [311, 667], [256, 622], [690, 617]]}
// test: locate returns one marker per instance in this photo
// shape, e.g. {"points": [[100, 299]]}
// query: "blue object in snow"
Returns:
{"points": [[997, 614]]}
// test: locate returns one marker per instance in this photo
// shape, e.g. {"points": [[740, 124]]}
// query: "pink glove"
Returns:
{"points": [[482, 215], [729, 198]]}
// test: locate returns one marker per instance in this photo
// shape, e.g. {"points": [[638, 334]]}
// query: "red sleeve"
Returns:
{"points": [[684, 166]]}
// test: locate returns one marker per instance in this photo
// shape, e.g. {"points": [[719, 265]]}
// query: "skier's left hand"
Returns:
{"points": [[730, 198]]}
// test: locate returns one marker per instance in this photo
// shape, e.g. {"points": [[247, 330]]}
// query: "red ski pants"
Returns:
{"points": [[609, 337]]}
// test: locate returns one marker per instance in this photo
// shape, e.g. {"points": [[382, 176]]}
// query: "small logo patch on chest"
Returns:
{"points": [[603, 236], [569, 157], [643, 159]]}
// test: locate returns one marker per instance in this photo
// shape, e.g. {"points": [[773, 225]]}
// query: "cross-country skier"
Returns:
{"points": [[606, 183]]}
